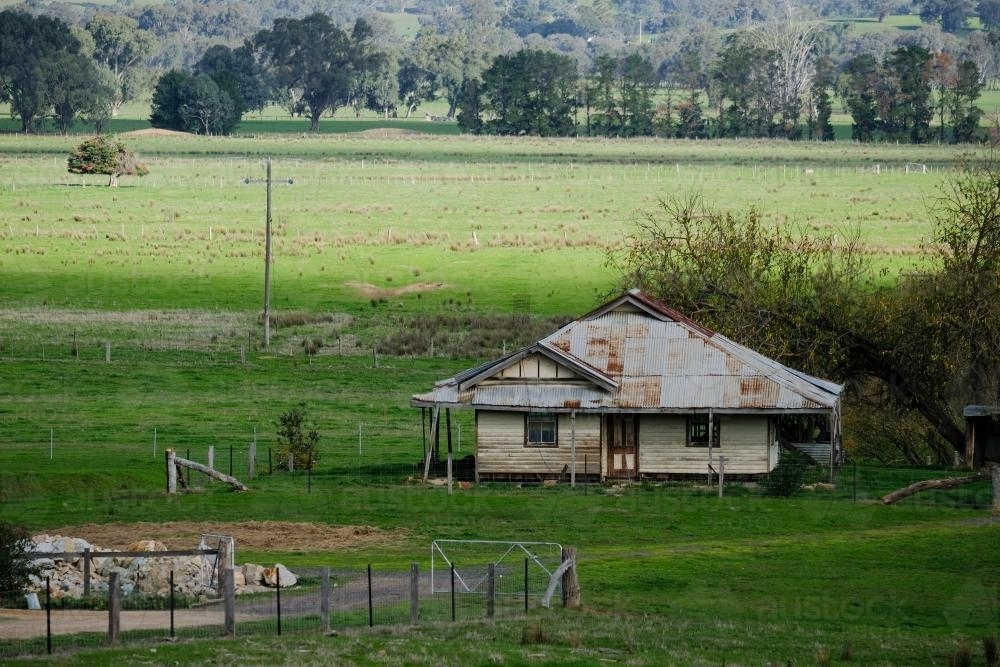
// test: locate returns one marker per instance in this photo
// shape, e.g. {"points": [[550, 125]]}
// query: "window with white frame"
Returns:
{"points": [[540, 429]]}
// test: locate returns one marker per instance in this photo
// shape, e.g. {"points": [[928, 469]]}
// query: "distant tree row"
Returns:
{"points": [[756, 92], [47, 67], [773, 79]]}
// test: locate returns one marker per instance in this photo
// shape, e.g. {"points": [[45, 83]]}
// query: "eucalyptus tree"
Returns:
{"points": [[73, 86], [121, 48], [792, 44], [192, 103], [236, 72], [529, 92], [442, 58], [953, 15], [29, 45], [414, 83], [314, 62]]}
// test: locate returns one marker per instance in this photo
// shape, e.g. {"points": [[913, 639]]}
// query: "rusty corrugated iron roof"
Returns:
{"points": [[635, 354]]}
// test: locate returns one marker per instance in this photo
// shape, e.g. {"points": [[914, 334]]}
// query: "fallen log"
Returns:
{"points": [[174, 462], [929, 484]]}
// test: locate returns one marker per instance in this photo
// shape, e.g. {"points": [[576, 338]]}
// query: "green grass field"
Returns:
{"points": [[380, 228]]}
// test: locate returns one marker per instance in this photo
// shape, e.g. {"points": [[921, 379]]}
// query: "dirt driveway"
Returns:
{"points": [[253, 535], [24, 624]]}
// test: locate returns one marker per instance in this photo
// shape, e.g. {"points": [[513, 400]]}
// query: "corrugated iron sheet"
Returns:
{"points": [[658, 364]]}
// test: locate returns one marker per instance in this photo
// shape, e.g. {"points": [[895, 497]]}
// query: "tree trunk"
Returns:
{"points": [[314, 121], [232, 481], [113, 181], [926, 485]]}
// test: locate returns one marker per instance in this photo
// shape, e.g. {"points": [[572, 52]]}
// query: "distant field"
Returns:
{"points": [[492, 221]]}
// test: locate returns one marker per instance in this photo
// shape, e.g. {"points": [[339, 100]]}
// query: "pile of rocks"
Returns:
{"points": [[147, 575]]}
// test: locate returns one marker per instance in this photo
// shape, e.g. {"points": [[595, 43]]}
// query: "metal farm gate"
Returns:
{"points": [[519, 569]]}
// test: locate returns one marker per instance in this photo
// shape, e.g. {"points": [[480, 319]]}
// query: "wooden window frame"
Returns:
{"points": [[700, 422], [541, 418]]}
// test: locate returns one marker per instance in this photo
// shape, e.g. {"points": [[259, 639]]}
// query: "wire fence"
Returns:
{"points": [[323, 600]]}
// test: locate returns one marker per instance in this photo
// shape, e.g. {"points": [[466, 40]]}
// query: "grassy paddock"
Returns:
{"points": [[379, 229], [474, 218]]}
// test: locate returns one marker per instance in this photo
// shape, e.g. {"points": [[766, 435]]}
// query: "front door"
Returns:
{"points": [[621, 436]]}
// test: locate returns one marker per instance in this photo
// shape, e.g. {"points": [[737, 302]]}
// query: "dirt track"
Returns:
{"points": [[24, 624], [254, 535]]}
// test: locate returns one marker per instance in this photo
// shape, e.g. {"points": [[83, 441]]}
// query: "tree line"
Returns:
{"points": [[774, 79], [912, 351]]}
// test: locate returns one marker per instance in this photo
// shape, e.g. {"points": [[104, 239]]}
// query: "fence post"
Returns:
{"points": [[48, 615], [223, 563], [277, 601], [414, 593], [526, 585], [491, 591], [171, 604], [570, 583], [452, 592], [229, 586], [86, 572], [324, 602], [114, 607], [171, 471], [371, 610], [211, 459]]}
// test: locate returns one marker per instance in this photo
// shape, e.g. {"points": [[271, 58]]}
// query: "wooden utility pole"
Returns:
{"points": [[267, 251]]}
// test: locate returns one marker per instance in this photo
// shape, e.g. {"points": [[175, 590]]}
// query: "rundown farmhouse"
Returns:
{"points": [[635, 389]]}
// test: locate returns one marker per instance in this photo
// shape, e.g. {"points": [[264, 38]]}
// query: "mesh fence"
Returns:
{"points": [[322, 600]]}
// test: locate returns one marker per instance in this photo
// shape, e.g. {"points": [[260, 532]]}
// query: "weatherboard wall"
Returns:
{"points": [[500, 448], [744, 441]]}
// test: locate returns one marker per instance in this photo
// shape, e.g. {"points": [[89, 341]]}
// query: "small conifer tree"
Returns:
{"points": [[102, 155]]}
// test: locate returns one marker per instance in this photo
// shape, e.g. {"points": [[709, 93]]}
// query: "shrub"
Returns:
{"points": [[786, 478], [102, 155], [297, 438], [14, 567]]}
